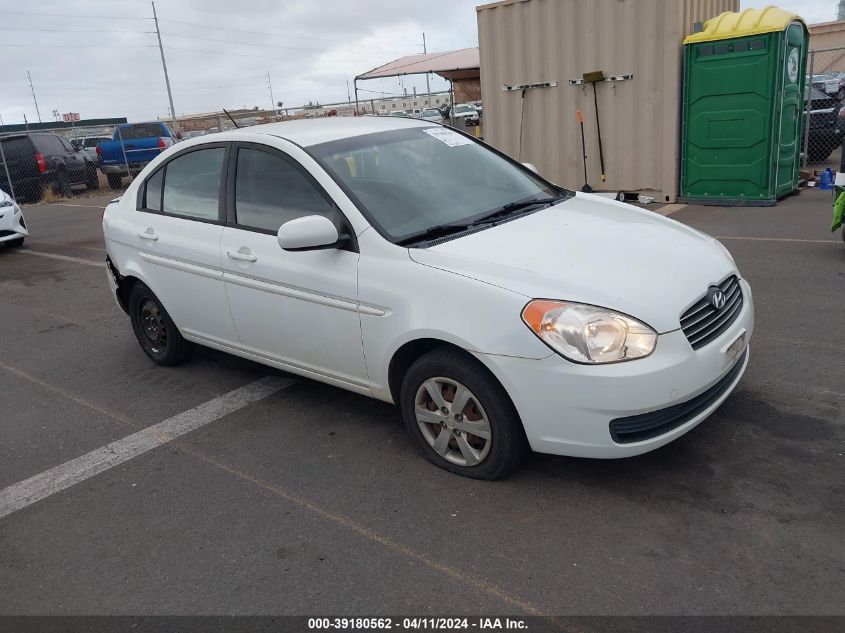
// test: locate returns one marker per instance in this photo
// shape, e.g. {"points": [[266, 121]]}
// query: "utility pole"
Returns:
{"points": [[33, 96], [164, 66], [427, 85], [272, 100]]}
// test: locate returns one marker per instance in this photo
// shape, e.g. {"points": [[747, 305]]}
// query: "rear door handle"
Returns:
{"points": [[149, 235], [242, 255]]}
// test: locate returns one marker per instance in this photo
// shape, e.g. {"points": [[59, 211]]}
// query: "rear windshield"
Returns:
{"points": [[141, 130], [93, 142], [17, 146]]}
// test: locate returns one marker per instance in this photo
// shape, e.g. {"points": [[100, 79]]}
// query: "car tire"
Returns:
{"points": [[62, 184], [487, 410], [92, 183], [15, 243], [155, 330], [115, 180], [819, 155]]}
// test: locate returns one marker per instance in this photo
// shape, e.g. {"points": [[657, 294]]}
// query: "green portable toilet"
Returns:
{"points": [[744, 78]]}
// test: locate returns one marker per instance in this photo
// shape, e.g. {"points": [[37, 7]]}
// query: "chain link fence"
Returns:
{"points": [[48, 164], [824, 96]]}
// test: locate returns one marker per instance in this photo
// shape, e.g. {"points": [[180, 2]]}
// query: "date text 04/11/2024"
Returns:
{"points": [[417, 623]]}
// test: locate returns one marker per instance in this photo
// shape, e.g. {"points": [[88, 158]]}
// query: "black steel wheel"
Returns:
{"points": [[155, 330]]}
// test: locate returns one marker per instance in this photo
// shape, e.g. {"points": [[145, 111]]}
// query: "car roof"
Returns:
{"points": [[307, 132]]}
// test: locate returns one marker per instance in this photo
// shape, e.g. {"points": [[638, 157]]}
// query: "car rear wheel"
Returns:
{"points": [[93, 180], [61, 185], [157, 334], [115, 180], [460, 417]]}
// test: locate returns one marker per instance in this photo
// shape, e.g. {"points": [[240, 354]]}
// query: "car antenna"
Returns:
{"points": [[235, 123]]}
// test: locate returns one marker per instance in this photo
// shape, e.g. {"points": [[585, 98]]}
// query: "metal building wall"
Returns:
{"points": [[531, 41]]}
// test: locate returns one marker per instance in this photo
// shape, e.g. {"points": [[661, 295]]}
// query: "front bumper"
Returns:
{"points": [[12, 224], [567, 408]]}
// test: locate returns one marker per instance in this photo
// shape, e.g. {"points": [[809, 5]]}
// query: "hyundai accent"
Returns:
{"points": [[409, 262]]}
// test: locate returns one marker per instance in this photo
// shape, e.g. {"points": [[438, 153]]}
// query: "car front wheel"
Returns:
{"points": [[157, 334], [460, 417]]}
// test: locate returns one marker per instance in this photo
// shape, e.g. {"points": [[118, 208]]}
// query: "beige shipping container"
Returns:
{"points": [[538, 41]]}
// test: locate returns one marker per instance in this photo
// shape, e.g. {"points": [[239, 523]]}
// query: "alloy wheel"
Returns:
{"points": [[452, 421]]}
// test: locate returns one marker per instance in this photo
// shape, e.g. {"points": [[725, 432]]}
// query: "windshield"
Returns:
{"points": [[431, 112], [463, 108], [410, 180]]}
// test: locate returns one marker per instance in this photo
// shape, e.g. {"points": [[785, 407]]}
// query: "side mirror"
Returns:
{"points": [[532, 167], [313, 232]]}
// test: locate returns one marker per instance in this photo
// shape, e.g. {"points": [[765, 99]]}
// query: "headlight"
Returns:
{"points": [[5, 203], [588, 334]]}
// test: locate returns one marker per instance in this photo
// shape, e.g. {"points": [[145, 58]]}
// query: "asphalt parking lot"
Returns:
{"points": [[310, 500]]}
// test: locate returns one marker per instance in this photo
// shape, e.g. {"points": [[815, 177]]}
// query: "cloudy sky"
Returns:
{"points": [[99, 57]]}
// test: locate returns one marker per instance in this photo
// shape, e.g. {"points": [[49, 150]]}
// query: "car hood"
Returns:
{"points": [[592, 250]]}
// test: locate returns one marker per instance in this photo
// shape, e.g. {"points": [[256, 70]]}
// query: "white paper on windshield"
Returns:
{"points": [[447, 137]]}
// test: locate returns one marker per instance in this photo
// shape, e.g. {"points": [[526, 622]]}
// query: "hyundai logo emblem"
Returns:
{"points": [[717, 298]]}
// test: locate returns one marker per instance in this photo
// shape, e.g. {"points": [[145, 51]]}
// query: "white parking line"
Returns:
{"points": [[64, 258], [65, 204], [669, 209], [43, 485], [776, 239]]}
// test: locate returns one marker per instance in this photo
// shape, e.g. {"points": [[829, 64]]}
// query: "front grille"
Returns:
{"points": [[638, 428], [702, 323]]}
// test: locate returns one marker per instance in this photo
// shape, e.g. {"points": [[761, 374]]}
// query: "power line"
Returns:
{"points": [[78, 45], [227, 54], [8, 28], [71, 15], [214, 39], [305, 37]]}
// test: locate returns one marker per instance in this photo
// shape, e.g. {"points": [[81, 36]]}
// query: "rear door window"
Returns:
{"points": [[192, 184], [152, 200]]}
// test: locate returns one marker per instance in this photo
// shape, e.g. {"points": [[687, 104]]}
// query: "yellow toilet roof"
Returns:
{"points": [[729, 25]]}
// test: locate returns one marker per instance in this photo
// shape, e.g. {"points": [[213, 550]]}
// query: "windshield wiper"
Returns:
{"points": [[441, 230], [510, 207]]}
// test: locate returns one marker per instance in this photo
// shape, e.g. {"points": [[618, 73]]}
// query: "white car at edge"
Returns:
{"points": [[13, 229], [500, 312]]}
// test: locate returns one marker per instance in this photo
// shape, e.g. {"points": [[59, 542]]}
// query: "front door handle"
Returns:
{"points": [[149, 235], [242, 255]]}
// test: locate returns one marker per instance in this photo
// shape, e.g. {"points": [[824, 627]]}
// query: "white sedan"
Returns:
{"points": [[502, 313], [13, 229]]}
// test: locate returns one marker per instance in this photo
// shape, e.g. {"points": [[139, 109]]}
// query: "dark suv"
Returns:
{"points": [[38, 160]]}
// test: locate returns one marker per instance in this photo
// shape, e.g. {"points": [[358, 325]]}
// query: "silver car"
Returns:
{"points": [[88, 145]]}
